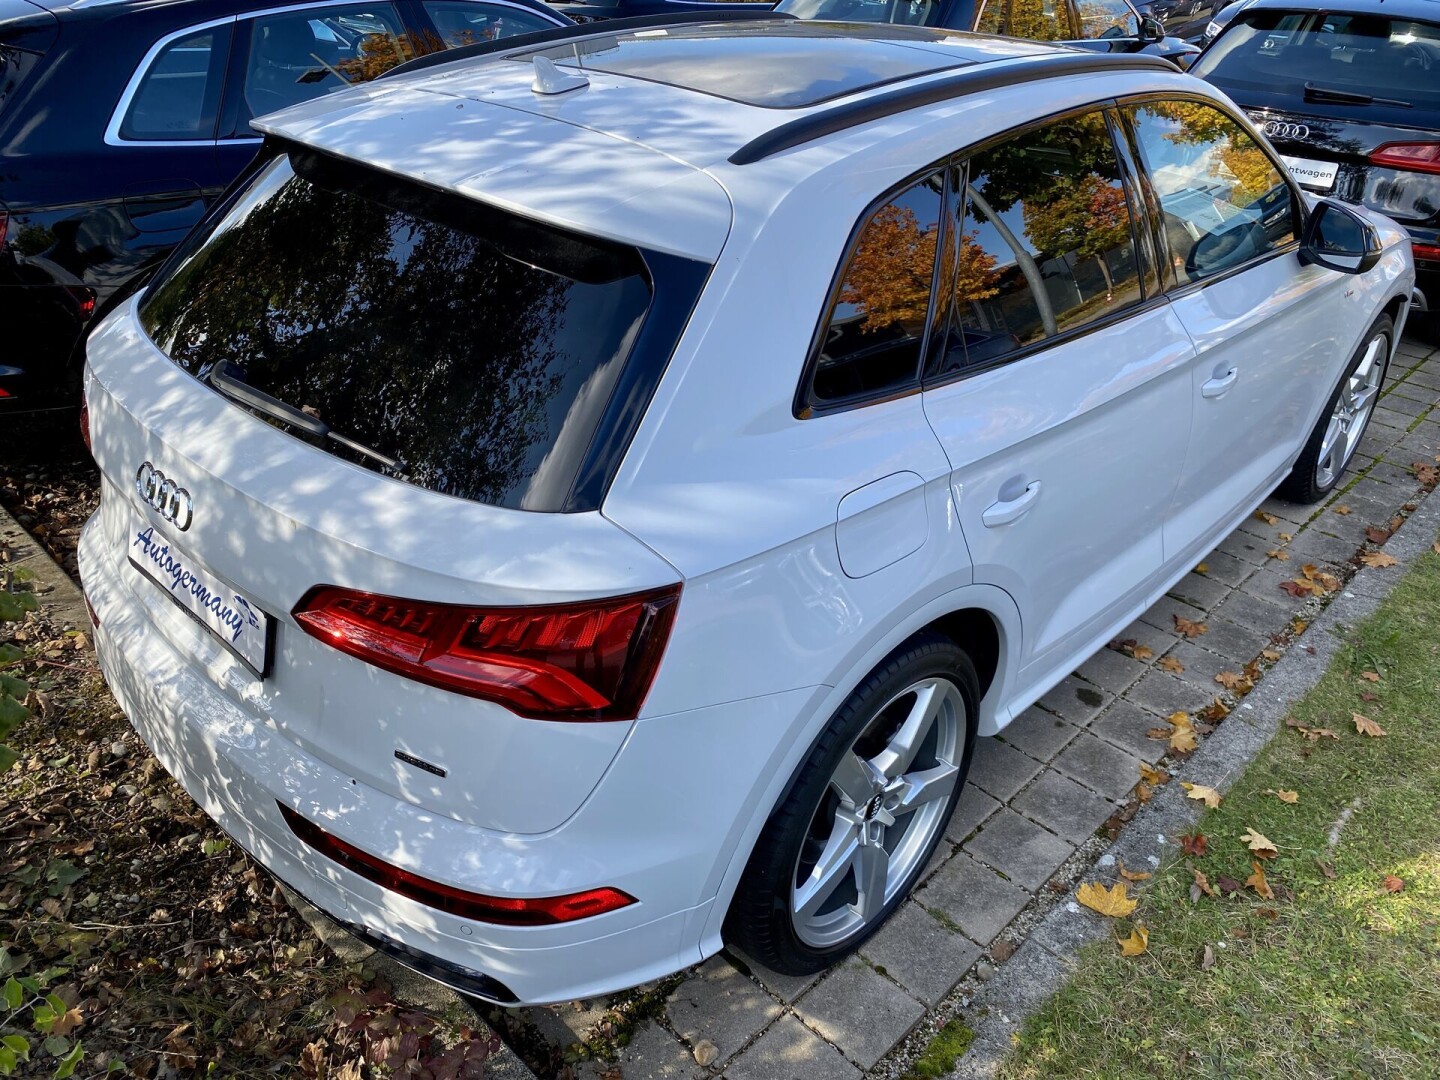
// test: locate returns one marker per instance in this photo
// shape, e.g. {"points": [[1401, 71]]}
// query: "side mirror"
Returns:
{"points": [[1151, 30], [1338, 238]]}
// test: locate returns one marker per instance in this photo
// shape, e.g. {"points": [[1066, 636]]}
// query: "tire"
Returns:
{"points": [[1343, 421], [788, 912]]}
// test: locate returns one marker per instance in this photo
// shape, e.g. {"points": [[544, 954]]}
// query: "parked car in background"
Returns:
{"points": [[1220, 18], [120, 122], [1184, 19], [1098, 25], [597, 10], [646, 460], [1349, 93]]}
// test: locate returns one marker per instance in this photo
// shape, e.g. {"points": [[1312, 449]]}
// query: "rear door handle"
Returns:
{"points": [[1007, 510], [1218, 386]]}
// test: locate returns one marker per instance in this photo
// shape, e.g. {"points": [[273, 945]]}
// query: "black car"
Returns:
{"points": [[1349, 93], [120, 120], [1101, 25], [596, 10]]}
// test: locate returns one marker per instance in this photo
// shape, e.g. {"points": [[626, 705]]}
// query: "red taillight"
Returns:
{"points": [[1426, 251], [593, 660], [512, 911], [1416, 157]]}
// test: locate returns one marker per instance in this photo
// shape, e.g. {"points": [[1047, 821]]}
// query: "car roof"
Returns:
{"points": [[1420, 10], [634, 153]]}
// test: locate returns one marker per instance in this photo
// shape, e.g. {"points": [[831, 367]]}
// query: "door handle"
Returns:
{"points": [[1218, 386], [1007, 510]]}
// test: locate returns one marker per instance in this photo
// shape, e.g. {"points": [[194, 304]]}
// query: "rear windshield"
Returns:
{"points": [[425, 335], [1391, 61]]}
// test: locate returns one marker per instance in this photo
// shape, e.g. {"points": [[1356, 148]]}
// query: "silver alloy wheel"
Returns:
{"points": [[1352, 410], [884, 804]]}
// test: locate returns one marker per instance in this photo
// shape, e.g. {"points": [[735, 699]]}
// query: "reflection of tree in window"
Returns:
{"points": [[1105, 19], [1076, 260], [1038, 20], [888, 280], [1236, 160], [417, 339]]}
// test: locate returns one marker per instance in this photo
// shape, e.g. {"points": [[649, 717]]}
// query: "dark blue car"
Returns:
{"points": [[120, 120]]}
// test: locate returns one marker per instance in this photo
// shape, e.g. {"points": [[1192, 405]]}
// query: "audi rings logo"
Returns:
{"points": [[164, 496], [1276, 129]]}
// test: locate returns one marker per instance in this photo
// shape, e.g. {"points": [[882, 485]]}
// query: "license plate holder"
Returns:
{"points": [[1312, 174], [237, 622]]}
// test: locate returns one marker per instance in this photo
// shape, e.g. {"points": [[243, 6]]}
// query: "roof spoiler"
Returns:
{"points": [[579, 32]]}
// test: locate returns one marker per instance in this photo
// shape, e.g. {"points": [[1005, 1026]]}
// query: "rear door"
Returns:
{"points": [[1060, 388], [1269, 333]]}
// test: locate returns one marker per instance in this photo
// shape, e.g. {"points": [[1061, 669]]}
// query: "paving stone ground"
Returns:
{"points": [[1036, 792]]}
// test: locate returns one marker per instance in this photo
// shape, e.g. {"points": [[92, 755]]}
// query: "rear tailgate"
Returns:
{"points": [[272, 516]]}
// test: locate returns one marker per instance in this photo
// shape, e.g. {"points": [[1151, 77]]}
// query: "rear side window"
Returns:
{"points": [[177, 97], [466, 22], [440, 341], [1222, 199], [878, 315], [1045, 242], [1037, 20], [1107, 19]]}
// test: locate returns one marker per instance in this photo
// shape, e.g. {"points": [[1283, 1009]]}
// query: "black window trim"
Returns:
{"points": [[1148, 302], [1297, 203], [804, 407]]}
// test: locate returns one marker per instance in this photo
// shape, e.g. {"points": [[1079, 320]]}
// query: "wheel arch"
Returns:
{"points": [[982, 619]]}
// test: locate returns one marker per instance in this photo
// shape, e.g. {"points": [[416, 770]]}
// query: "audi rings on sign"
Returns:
{"points": [[1279, 129], [164, 496]]}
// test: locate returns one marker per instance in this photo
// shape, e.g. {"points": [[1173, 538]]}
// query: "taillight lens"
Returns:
{"points": [[1416, 157], [511, 911], [1429, 252], [594, 660]]}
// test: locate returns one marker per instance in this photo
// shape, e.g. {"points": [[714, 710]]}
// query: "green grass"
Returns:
{"points": [[1335, 977], [944, 1050]]}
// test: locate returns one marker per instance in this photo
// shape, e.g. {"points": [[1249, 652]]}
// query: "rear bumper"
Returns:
{"points": [[643, 831]]}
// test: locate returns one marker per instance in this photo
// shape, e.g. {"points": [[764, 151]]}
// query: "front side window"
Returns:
{"points": [[1036, 20], [1045, 243], [306, 54], [879, 313], [1107, 19], [462, 22], [443, 342], [1222, 199], [177, 97]]}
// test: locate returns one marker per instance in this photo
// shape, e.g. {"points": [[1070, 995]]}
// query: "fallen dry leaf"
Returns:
{"points": [[1202, 568], [1435, 547], [1228, 886], [1291, 797], [1132, 875], [1216, 711], [1002, 950], [1426, 473], [1365, 726], [1287, 537], [1342, 509], [1379, 559], [1152, 776], [1268, 519], [1271, 655], [1299, 587], [1195, 844], [1257, 882], [1136, 943], [1278, 553], [1207, 959], [1200, 886], [1259, 844], [1314, 734], [1299, 626], [1376, 535], [1112, 902], [1370, 676], [1183, 741], [1170, 664], [1326, 869], [1394, 884], [1189, 627], [1201, 793], [1234, 681]]}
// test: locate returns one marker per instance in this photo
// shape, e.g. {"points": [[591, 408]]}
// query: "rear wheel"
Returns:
{"points": [[1342, 425], [864, 814]]}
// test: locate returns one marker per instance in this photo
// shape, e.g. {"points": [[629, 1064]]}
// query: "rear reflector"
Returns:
{"points": [[511, 911], [594, 660], [1426, 251], [1416, 157]]}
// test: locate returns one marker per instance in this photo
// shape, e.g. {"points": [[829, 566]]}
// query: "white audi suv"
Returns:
{"points": [[577, 500]]}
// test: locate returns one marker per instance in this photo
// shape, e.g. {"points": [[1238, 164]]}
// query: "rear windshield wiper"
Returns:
{"points": [[221, 377], [1348, 97]]}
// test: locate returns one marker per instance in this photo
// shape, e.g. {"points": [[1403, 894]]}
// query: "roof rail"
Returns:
{"points": [[580, 31], [970, 80]]}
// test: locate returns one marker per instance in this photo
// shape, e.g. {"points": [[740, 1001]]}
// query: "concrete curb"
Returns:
{"points": [[1042, 964], [58, 592]]}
